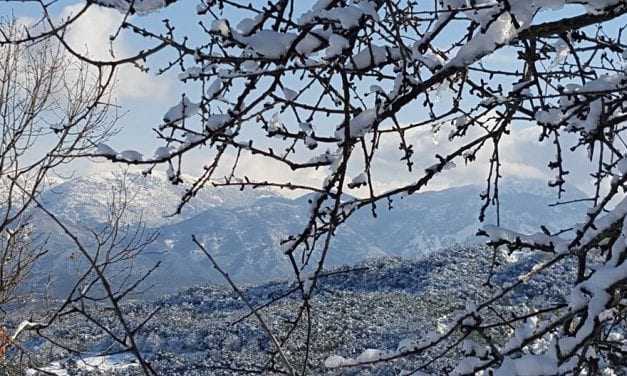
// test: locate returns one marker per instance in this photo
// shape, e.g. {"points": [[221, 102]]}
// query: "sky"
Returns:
{"points": [[145, 97]]}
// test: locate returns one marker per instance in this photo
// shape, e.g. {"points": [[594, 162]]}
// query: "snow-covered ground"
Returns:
{"points": [[117, 362]]}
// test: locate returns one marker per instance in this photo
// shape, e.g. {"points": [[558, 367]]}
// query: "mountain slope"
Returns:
{"points": [[246, 240], [429, 221], [243, 230], [86, 199], [376, 304]]}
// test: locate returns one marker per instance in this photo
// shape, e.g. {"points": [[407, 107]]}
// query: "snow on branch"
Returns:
{"points": [[334, 96]]}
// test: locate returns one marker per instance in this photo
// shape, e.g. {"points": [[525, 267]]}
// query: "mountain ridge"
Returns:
{"points": [[244, 229]]}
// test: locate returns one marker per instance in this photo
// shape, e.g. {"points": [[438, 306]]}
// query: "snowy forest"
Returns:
{"points": [[324, 187]]}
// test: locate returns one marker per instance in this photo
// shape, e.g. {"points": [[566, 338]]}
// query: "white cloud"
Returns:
{"points": [[90, 34], [520, 153], [259, 168], [521, 156]]}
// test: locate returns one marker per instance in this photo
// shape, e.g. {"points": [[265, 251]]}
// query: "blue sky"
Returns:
{"points": [[146, 97]]}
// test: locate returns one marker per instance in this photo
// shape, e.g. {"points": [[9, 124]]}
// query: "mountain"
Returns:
{"points": [[246, 240], [86, 199], [243, 230], [425, 222], [377, 304]]}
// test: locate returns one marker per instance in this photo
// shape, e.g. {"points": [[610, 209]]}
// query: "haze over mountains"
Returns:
{"points": [[244, 229]]}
